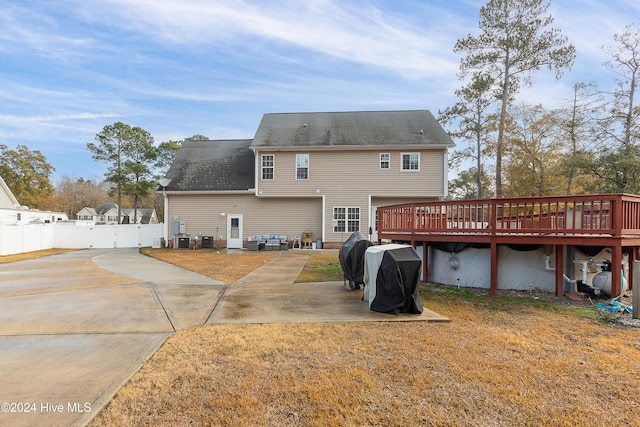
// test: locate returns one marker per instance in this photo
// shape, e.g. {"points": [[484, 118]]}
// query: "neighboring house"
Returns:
{"points": [[143, 216], [7, 199], [323, 172], [12, 213], [107, 213]]}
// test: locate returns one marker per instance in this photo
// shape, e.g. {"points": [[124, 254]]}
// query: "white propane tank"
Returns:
{"points": [[602, 281]]}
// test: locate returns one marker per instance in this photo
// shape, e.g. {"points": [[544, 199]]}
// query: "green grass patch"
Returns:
{"points": [[321, 268]]}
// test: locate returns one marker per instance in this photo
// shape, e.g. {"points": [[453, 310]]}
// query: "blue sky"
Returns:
{"points": [[179, 68]]}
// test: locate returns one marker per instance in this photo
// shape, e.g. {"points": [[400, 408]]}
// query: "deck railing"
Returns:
{"points": [[609, 214]]}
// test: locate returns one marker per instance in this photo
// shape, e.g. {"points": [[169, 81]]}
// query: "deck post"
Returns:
{"points": [[616, 266], [633, 272], [425, 262], [559, 270], [631, 277], [494, 268]]}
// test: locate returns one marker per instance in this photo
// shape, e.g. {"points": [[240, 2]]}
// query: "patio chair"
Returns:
{"points": [[307, 239]]}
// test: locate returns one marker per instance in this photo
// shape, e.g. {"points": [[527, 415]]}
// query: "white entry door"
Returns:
{"points": [[234, 231]]}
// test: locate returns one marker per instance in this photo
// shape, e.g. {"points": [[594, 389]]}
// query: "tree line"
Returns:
{"points": [[590, 145], [134, 166]]}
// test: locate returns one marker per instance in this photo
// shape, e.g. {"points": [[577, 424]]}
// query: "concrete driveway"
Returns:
{"points": [[74, 327]]}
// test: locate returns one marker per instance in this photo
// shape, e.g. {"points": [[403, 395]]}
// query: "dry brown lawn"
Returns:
{"points": [[499, 362], [32, 255], [213, 263]]}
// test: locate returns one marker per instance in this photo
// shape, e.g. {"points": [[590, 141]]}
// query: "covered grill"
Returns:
{"points": [[391, 277], [351, 257]]}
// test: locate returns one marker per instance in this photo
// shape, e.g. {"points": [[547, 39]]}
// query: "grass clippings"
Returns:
{"points": [[501, 361]]}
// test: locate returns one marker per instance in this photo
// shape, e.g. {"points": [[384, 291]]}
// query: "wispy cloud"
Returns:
{"points": [[29, 31], [359, 32], [55, 118]]}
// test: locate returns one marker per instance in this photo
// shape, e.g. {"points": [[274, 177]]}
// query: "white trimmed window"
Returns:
{"points": [[268, 165], [346, 219], [385, 161], [410, 162], [302, 166]]}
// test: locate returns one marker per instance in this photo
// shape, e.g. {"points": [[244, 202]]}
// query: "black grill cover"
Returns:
{"points": [[351, 257], [397, 282]]}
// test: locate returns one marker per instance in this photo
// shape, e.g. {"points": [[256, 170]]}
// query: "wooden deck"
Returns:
{"points": [[607, 220]]}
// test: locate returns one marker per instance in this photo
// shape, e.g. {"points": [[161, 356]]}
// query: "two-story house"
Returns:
{"points": [[323, 172]]}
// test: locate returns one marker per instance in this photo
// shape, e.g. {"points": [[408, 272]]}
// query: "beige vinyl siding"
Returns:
{"points": [[353, 172], [285, 205], [288, 216], [84, 212], [386, 201]]}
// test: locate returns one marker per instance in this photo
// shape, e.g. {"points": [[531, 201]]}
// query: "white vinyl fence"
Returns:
{"points": [[16, 239]]}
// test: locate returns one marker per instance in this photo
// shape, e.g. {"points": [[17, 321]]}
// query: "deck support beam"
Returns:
{"points": [[494, 268], [559, 270], [633, 273], [616, 269], [425, 262]]}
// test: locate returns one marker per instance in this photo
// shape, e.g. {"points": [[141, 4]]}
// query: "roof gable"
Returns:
{"points": [[357, 128], [87, 211], [7, 199], [220, 165]]}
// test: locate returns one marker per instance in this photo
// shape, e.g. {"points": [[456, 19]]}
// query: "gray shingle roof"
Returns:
{"points": [[105, 207], [365, 128], [220, 165]]}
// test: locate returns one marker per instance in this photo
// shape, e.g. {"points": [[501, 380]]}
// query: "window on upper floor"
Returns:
{"points": [[268, 165], [346, 219], [385, 161], [302, 166], [410, 162]]}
